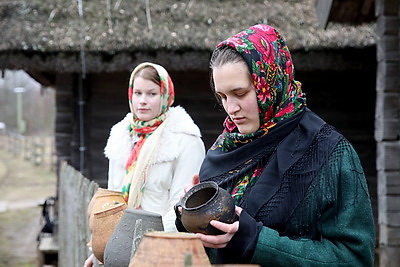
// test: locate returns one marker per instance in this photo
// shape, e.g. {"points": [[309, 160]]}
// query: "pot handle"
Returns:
{"points": [[177, 205]]}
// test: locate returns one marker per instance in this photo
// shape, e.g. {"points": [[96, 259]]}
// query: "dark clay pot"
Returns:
{"points": [[128, 234], [205, 202]]}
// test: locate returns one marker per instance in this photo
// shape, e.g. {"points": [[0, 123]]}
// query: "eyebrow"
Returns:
{"points": [[151, 89], [234, 89]]}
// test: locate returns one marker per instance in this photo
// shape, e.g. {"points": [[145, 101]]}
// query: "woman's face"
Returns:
{"points": [[235, 87], [146, 99]]}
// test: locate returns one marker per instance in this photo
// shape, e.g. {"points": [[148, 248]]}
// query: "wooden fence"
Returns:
{"points": [[36, 149], [74, 194]]}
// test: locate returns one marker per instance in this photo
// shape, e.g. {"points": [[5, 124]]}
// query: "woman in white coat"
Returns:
{"points": [[155, 150]]}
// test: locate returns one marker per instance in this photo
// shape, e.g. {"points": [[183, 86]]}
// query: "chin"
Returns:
{"points": [[247, 130], [143, 117]]}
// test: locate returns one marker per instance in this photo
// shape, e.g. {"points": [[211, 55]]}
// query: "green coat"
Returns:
{"points": [[344, 232]]}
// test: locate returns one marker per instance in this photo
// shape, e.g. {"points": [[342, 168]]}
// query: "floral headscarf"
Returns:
{"points": [[135, 177], [279, 96], [167, 98]]}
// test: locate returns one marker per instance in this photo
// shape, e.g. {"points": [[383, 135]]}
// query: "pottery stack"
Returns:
{"points": [[105, 210]]}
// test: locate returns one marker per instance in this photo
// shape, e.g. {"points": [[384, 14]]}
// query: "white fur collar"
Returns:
{"points": [[119, 144]]}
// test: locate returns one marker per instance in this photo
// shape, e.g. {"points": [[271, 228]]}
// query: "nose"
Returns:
{"points": [[231, 106], [142, 99]]}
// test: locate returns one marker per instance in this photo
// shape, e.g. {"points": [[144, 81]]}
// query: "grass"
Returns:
{"points": [[23, 186], [17, 240]]}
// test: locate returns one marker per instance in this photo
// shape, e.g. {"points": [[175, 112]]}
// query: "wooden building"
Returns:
{"points": [[86, 52], [387, 111]]}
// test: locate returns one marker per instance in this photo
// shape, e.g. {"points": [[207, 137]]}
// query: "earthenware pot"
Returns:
{"points": [[170, 250], [128, 234], [104, 224], [102, 200], [204, 202]]}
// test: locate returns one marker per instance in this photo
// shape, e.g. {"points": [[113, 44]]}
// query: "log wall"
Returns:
{"points": [[387, 130]]}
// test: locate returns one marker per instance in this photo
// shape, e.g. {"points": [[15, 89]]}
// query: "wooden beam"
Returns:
{"points": [[345, 11], [44, 78], [323, 11]]}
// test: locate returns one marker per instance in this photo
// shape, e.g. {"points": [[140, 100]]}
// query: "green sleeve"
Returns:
{"points": [[346, 226]]}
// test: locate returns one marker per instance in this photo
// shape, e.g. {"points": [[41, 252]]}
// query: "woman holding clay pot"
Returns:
{"points": [[299, 187]]}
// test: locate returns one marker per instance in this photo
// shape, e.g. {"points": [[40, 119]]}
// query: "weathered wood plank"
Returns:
{"points": [[390, 235], [391, 219], [388, 48], [386, 129], [389, 256], [75, 192], [389, 183], [388, 79], [390, 204], [388, 105], [388, 156], [386, 8], [387, 25], [323, 9]]}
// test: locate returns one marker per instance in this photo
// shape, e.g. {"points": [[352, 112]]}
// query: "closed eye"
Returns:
{"points": [[240, 94]]}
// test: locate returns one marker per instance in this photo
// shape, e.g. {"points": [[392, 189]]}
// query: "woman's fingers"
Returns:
{"points": [[238, 210], [186, 188], [214, 241], [219, 241], [196, 179], [230, 228], [89, 261]]}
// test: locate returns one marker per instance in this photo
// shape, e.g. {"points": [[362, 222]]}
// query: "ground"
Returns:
{"points": [[23, 187]]}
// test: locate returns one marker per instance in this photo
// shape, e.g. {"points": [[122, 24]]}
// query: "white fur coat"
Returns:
{"points": [[178, 158]]}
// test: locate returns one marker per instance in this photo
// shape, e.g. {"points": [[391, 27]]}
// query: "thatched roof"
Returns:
{"points": [[48, 32]]}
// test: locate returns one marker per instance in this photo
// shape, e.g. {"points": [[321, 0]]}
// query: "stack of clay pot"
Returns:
{"points": [[105, 211]]}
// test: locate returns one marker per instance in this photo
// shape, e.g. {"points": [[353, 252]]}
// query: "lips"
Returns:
{"points": [[238, 120]]}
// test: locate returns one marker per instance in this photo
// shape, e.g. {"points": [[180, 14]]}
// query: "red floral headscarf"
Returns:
{"points": [[279, 96]]}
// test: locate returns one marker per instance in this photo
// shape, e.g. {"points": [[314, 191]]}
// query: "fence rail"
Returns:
{"points": [[36, 149], [74, 194]]}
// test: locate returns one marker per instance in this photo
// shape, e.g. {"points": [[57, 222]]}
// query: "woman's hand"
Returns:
{"points": [[220, 241], [89, 261], [195, 180]]}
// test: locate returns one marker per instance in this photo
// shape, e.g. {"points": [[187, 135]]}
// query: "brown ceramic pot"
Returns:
{"points": [[204, 202], [170, 250], [102, 200], [104, 224]]}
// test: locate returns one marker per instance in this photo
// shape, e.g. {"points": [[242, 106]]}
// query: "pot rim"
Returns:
{"points": [[110, 210], [193, 190]]}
